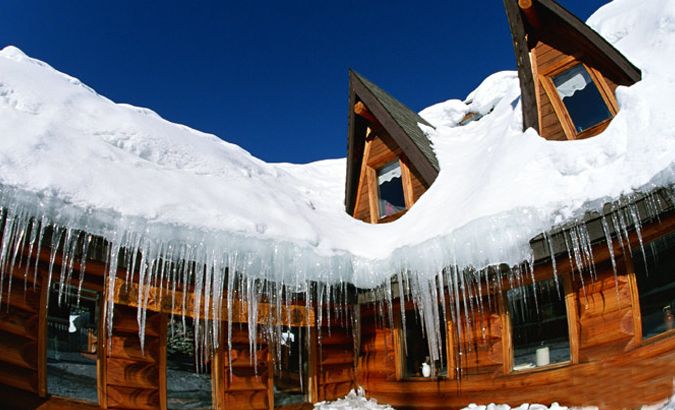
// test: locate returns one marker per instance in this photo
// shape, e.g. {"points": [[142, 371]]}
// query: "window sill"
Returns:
{"points": [[594, 130], [657, 338], [553, 366], [392, 217]]}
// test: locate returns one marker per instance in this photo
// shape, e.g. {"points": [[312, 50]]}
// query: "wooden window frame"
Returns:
{"points": [[571, 311], [400, 355], [546, 81], [638, 337], [374, 192]]}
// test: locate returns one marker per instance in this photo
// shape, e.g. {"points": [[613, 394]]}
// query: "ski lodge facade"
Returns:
{"points": [[593, 326]]}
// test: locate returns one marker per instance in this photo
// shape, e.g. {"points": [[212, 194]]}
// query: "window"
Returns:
{"points": [[72, 343], [540, 335], [390, 189], [290, 376], [416, 352], [656, 286], [188, 375], [581, 98]]}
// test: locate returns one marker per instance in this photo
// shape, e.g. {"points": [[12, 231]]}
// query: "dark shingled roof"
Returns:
{"points": [[401, 124], [556, 20], [405, 118]]}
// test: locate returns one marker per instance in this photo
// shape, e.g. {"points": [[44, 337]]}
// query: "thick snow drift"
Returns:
{"points": [[80, 160]]}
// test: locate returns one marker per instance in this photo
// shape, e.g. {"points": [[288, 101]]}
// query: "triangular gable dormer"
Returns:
{"points": [[568, 72], [390, 162]]}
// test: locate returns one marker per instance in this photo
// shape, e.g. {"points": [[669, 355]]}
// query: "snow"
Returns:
{"points": [[357, 400], [354, 400], [74, 159]]}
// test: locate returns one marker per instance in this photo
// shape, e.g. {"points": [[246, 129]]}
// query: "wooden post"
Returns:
{"points": [[217, 373], [162, 361], [102, 351], [572, 317], [507, 341], [42, 338]]}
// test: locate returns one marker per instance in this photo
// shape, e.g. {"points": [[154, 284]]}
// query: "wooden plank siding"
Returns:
{"points": [[335, 367], [242, 384], [133, 375], [22, 338]]}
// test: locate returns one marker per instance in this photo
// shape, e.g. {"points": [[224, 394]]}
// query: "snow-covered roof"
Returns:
{"points": [[80, 160]]}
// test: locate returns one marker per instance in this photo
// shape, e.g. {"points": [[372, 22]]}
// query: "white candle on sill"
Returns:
{"points": [[543, 356]]}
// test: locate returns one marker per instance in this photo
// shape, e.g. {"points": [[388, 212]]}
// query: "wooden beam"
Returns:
{"points": [[361, 110], [294, 315]]}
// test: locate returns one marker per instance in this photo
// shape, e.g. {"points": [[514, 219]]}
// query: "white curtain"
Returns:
{"points": [[571, 81], [388, 173]]}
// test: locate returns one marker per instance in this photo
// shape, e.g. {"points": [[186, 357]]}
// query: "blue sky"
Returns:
{"points": [[269, 76]]}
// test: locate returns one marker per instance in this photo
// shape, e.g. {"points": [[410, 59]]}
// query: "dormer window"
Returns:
{"points": [[391, 199], [581, 98]]}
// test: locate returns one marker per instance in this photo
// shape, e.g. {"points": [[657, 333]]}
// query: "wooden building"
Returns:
{"points": [[591, 325], [586, 327]]}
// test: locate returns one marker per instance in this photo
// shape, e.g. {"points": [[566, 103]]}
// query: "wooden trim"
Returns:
{"points": [[507, 341], [270, 380], [362, 174], [162, 362], [635, 303], [606, 93], [102, 351], [406, 180], [217, 371], [399, 353], [371, 180], [450, 350], [312, 373], [537, 88], [42, 339], [572, 312]]}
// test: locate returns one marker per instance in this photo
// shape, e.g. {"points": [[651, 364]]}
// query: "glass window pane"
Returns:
{"points": [[656, 285], [290, 375], [72, 344], [539, 326], [188, 378], [581, 98], [417, 348], [390, 187]]}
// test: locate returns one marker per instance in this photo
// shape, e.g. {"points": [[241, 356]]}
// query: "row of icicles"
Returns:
{"points": [[456, 294]]}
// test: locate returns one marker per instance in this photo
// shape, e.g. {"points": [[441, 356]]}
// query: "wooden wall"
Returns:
{"points": [[23, 328], [242, 385], [610, 367], [336, 370], [135, 378]]}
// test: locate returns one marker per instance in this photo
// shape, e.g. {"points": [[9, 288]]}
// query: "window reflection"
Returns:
{"points": [[581, 98], [72, 343], [656, 286], [188, 373]]}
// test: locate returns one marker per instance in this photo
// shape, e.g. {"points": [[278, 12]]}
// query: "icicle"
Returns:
{"points": [[610, 247], [635, 215]]}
